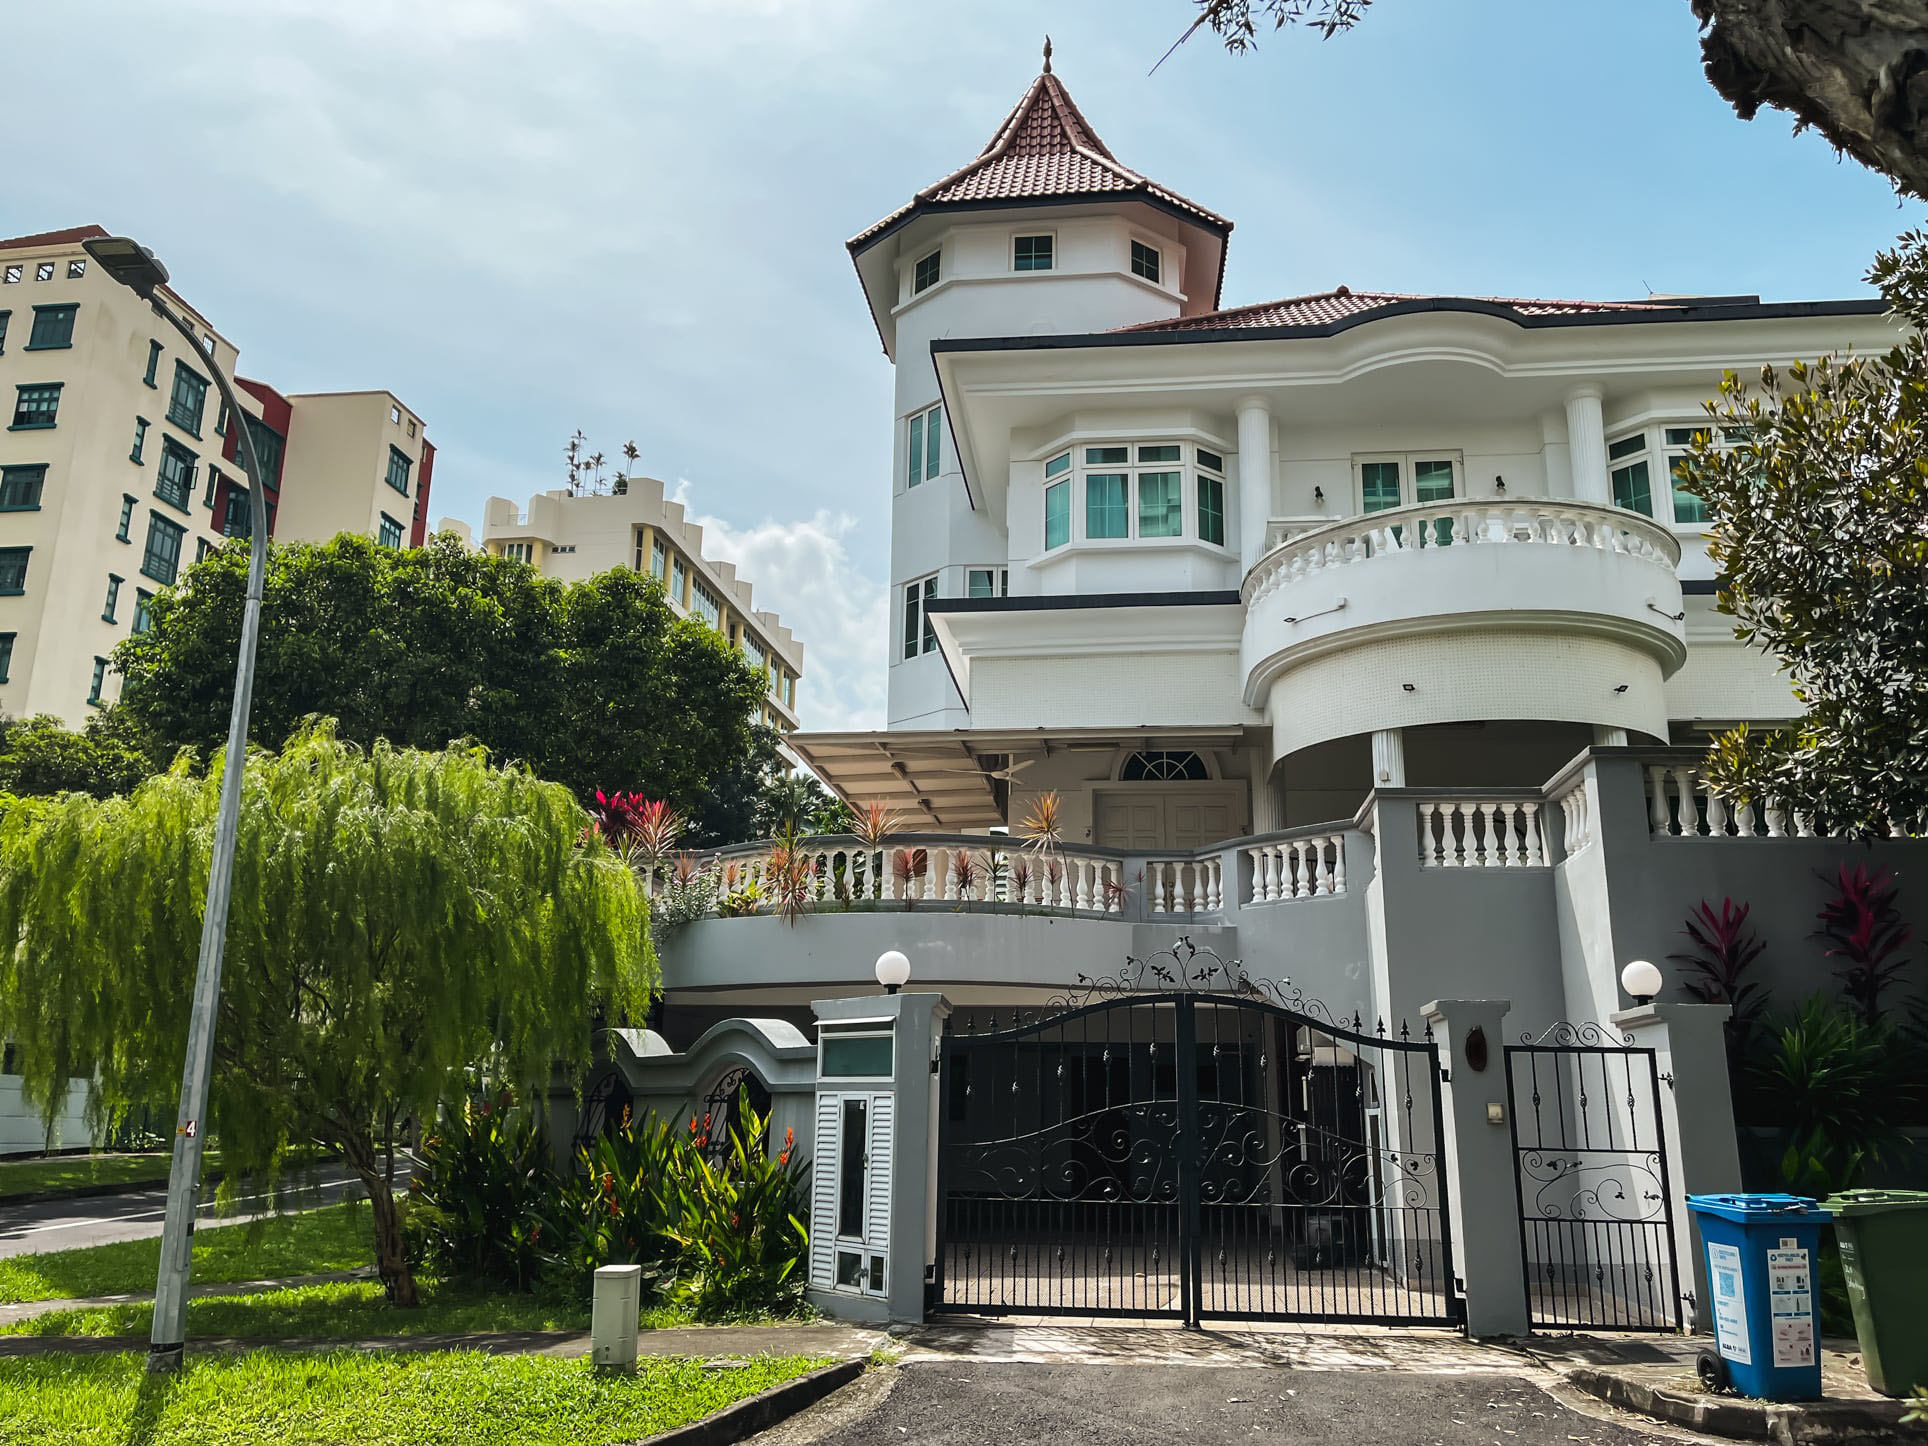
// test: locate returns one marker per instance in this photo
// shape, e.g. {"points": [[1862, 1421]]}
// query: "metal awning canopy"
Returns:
{"points": [[947, 780]]}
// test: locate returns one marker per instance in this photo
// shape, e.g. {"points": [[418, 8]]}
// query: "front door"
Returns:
{"points": [[1141, 819]]}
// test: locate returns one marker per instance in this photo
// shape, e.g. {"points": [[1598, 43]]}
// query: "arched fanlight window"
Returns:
{"points": [[1164, 767]]}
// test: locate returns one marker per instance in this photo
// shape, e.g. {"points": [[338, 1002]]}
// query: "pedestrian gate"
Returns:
{"points": [[1192, 1154], [1590, 1166]]}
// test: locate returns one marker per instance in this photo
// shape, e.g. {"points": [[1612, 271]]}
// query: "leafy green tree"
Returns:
{"points": [[592, 684], [1817, 480], [798, 803], [1855, 71], [405, 924], [42, 755]]}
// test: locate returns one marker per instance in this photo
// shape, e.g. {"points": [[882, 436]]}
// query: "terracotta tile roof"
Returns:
{"points": [[1044, 148], [1324, 308], [53, 238]]}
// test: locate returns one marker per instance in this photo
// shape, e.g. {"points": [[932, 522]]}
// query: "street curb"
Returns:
{"points": [[761, 1411], [1817, 1423]]}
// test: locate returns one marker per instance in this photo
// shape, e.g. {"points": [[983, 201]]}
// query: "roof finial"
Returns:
{"points": [[1047, 55]]}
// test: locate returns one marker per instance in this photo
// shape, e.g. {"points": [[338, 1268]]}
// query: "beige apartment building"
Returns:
{"points": [[571, 537], [120, 467]]}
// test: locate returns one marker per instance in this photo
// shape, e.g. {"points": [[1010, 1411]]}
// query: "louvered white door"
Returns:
{"points": [[883, 1142], [823, 1193]]}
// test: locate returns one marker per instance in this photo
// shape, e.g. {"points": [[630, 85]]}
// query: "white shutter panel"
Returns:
{"points": [[883, 1139], [823, 1194]]}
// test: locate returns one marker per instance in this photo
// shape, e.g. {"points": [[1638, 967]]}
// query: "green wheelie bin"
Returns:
{"points": [[1884, 1254]]}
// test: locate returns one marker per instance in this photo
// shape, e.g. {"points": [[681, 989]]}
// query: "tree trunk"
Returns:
{"points": [[1854, 70], [391, 1250]]}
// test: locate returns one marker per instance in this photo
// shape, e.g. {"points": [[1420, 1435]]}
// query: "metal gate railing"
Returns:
{"points": [[1192, 1153], [1590, 1167]]}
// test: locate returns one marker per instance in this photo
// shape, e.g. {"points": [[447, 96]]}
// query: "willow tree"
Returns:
{"points": [[405, 925]]}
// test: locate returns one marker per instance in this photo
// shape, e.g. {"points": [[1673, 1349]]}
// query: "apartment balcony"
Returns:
{"points": [[1462, 611]]}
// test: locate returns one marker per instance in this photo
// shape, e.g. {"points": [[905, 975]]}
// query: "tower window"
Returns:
{"points": [[1145, 261], [919, 635], [926, 452], [926, 274], [1032, 253]]}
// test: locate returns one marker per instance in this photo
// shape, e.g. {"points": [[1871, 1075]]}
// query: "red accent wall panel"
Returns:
{"points": [[418, 533]]}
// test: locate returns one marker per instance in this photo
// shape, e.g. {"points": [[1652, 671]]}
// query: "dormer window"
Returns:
{"points": [[1032, 253], [1145, 261], [926, 274]]}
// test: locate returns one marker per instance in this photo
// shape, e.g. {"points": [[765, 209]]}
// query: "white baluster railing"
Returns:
{"points": [[1482, 833], [1312, 865], [1462, 522], [1576, 812], [1681, 803], [1184, 886]]}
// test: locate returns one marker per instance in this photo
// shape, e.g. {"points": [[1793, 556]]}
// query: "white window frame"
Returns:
{"points": [[927, 419], [1157, 249], [1408, 497], [1133, 470], [1026, 235], [922, 591], [936, 281], [999, 579]]}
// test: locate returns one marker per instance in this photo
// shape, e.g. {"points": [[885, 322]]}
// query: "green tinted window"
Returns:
{"points": [[1379, 485], [856, 1056], [1167, 453], [1161, 504], [1432, 481], [1107, 456], [1058, 466], [1057, 514], [1211, 510], [1106, 508], [1632, 488]]}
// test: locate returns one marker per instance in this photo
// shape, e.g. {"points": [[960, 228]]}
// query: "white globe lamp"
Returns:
{"points": [[893, 970], [1640, 979]]}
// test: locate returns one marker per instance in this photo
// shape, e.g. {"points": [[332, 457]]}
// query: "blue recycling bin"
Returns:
{"points": [[1762, 1267]]}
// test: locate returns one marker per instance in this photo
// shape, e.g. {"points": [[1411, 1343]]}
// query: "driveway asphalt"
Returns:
{"points": [[980, 1403], [132, 1215]]}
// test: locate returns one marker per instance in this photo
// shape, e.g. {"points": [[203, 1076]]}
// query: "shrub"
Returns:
{"points": [[1839, 1085], [1725, 948], [688, 893], [1862, 925], [484, 1178], [617, 1209], [740, 1226]]}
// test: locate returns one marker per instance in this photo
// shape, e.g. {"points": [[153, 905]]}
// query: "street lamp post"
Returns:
{"points": [[134, 266]]}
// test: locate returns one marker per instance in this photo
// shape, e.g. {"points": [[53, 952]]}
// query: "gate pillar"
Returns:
{"points": [[873, 1194], [1689, 1042], [1479, 1152]]}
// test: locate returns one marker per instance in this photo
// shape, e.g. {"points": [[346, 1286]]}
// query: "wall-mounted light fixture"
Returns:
{"points": [[1671, 617], [1499, 485], [1620, 688], [1410, 687], [1318, 496]]}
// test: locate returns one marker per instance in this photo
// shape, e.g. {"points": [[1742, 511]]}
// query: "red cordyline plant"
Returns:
{"points": [[1862, 925], [874, 823], [1725, 947], [643, 830], [907, 865], [790, 877]]}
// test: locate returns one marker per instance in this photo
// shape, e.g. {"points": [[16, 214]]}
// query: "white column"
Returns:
{"points": [[1254, 478], [1268, 814], [1388, 758], [1607, 736], [1587, 442]]}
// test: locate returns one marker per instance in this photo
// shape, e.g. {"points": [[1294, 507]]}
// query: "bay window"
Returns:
{"points": [[1137, 491]]}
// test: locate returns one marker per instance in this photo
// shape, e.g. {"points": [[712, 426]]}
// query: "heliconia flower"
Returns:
{"points": [[784, 1158], [789, 1139], [692, 1124], [706, 1122]]}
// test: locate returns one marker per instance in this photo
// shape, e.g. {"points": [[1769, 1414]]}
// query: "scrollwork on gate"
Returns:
{"points": [[1573, 1186], [1567, 1035], [1188, 968]]}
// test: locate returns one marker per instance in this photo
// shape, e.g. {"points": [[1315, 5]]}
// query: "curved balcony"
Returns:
{"points": [[1461, 611]]}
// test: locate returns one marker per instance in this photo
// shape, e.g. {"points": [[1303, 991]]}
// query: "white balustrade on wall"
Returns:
{"points": [[1576, 813], [1184, 886], [1463, 522], [941, 871], [1297, 868], [1681, 803], [1475, 833]]}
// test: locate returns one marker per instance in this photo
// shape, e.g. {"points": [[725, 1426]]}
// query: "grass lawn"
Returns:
{"points": [[342, 1311], [374, 1400], [336, 1238]]}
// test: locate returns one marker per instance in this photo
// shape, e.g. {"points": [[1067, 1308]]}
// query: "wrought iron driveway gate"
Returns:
{"points": [[1192, 1153], [1590, 1165]]}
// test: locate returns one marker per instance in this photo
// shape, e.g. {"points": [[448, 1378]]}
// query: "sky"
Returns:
{"points": [[526, 217]]}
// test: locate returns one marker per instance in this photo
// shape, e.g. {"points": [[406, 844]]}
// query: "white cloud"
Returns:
{"points": [[803, 572]]}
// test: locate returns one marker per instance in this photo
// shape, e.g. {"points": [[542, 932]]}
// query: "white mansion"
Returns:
{"points": [[1370, 647]]}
